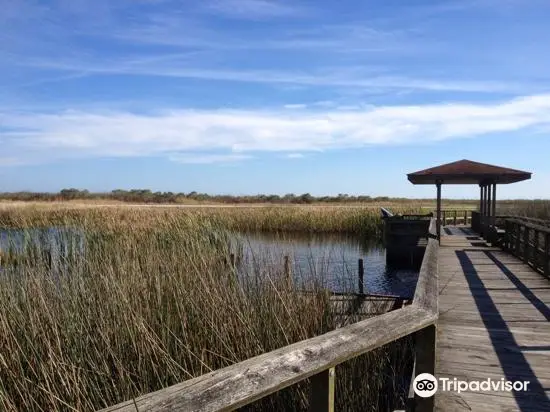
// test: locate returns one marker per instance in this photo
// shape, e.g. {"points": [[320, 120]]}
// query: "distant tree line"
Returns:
{"points": [[148, 196]]}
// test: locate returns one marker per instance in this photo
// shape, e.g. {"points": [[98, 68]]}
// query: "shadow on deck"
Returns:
{"points": [[513, 362], [493, 324]]}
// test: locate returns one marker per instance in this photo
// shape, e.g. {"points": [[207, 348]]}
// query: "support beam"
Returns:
{"points": [[494, 202], [489, 205], [483, 209], [484, 201], [438, 184], [321, 398], [488, 220], [425, 342], [480, 199]]}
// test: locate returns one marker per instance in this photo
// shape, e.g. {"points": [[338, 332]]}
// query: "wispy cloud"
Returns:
{"points": [[208, 136], [295, 156], [11, 161], [252, 9], [184, 42], [198, 158], [345, 77]]}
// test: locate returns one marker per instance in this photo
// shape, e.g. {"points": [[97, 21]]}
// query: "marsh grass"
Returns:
{"points": [[539, 209], [146, 300]]}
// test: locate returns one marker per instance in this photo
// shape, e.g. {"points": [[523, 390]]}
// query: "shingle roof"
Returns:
{"points": [[468, 172]]}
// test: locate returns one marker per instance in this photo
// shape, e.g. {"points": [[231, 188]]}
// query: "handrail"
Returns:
{"points": [[456, 215], [245, 382], [530, 242], [540, 228]]}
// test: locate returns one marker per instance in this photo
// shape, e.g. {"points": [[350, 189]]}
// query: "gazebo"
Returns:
{"points": [[466, 172]]}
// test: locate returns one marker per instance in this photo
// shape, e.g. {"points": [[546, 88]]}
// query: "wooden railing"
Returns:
{"points": [[455, 217], [530, 242], [315, 359]]}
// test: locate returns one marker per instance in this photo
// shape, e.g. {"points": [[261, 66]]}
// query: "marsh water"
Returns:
{"points": [[331, 260]]}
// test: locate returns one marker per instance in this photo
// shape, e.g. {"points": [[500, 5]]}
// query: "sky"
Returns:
{"points": [[265, 96]]}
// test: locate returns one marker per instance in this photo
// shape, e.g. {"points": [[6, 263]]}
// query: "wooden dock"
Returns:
{"points": [[494, 313]]}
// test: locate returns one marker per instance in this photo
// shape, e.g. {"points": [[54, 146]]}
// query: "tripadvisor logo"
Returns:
{"points": [[426, 385]]}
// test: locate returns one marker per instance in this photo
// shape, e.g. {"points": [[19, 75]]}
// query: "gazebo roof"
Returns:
{"points": [[467, 172]]}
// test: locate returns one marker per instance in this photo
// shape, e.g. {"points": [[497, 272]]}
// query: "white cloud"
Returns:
{"points": [[295, 106], [324, 103], [231, 135], [295, 155], [195, 158]]}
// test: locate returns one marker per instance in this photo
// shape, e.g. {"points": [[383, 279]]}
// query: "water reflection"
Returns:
{"points": [[332, 258]]}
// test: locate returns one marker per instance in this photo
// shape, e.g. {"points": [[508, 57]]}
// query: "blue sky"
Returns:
{"points": [[261, 96]]}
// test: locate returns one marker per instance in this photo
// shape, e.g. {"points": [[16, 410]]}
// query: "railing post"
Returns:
{"points": [[536, 249], [547, 255], [508, 236], [525, 244], [455, 212], [321, 396], [465, 218], [425, 363], [361, 277], [518, 239]]}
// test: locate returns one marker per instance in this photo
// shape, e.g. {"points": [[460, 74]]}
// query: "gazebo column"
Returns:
{"points": [[494, 202], [438, 184], [480, 199], [483, 209], [489, 204], [486, 211]]}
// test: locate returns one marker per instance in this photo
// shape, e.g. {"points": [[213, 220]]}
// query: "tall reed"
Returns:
{"points": [[143, 299]]}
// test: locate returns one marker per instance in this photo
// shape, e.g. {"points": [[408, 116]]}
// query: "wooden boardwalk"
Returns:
{"points": [[493, 323]]}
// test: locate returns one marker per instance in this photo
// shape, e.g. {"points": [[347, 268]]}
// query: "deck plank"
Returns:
{"points": [[494, 323]]}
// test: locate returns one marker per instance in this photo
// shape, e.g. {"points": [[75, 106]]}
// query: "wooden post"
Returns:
{"points": [[321, 397], [536, 249], [525, 244], [483, 211], [489, 213], [480, 199], [518, 239], [507, 238], [288, 271], [547, 255], [438, 184], [494, 202], [361, 277], [425, 363]]}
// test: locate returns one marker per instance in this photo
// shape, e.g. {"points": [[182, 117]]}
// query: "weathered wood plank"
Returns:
{"points": [[427, 288], [490, 327]]}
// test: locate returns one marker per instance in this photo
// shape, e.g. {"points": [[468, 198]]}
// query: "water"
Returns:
{"points": [[334, 258], [60, 244], [56, 240]]}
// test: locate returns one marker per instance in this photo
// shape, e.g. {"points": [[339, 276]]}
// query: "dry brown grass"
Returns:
{"points": [[148, 302]]}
